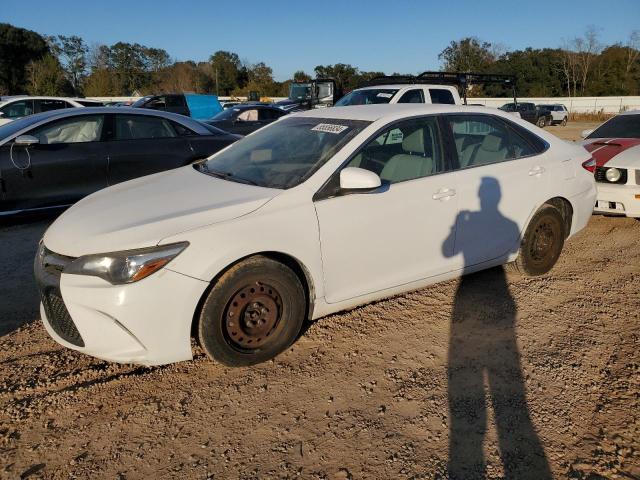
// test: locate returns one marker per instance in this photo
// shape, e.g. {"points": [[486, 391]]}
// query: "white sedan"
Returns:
{"points": [[13, 108], [319, 212]]}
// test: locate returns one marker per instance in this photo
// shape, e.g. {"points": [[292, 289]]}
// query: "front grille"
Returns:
{"points": [[54, 263], [59, 317], [601, 172]]}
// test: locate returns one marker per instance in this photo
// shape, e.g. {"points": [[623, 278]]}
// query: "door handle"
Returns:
{"points": [[536, 171], [443, 194]]}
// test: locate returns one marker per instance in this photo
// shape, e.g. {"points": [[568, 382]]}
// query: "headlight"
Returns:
{"points": [[127, 266], [612, 174]]}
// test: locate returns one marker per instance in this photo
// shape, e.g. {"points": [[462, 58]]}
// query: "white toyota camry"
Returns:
{"points": [[319, 212]]}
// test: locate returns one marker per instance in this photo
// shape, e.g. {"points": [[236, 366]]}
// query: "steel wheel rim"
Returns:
{"points": [[543, 241], [252, 315]]}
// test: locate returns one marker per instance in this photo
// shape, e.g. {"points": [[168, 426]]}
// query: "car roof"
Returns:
{"points": [[403, 85], [44, 97], [40, 118], [375, 112], [630, 112]]}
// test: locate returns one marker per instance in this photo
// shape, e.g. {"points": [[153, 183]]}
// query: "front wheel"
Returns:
{"points": [[541, 244], [541, 122], [254, 312], [564, 122]]}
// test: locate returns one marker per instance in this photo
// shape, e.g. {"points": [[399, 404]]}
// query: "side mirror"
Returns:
{"points": [[1, 114], [26, 140], [586, 133], [359, 180]]}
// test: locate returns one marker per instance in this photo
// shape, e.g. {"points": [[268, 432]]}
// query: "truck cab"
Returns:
{"points": [[400, 93], [317, 93]]}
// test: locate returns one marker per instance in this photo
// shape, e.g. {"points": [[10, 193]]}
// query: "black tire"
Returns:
{"points": [[564, 122], [253, 312], [541, 244], [541, 122]]}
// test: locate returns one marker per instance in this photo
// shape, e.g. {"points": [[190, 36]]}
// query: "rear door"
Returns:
{"points": [[69, 163], [502, 176], [142, 145]]}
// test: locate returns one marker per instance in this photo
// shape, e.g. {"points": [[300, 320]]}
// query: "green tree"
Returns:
{"points": [[347, 76], [72, 53], [129, 64], [301, 76], [101, 83], [18, 47], [467, 55], [226, 71], [47, 77]]}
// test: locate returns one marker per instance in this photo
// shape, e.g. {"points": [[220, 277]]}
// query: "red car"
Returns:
{"points": [[615, 145]]}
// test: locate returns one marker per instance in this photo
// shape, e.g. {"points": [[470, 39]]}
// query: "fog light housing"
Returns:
{"points": [[613, 175]]}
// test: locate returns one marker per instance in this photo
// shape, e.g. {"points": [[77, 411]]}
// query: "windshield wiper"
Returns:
{"points": [[228, 176]]}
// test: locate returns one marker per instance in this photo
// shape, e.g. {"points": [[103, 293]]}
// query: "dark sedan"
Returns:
{"points": [[244, 119], [53, 159]]}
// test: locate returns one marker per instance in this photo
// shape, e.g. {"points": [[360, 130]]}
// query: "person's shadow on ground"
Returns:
{"points": [[483, 348]]}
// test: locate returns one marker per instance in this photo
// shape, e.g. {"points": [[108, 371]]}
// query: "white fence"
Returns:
{"points": [[574, 104]]}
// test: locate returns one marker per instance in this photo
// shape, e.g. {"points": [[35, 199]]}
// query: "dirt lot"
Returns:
{"points": [[536, 378]]}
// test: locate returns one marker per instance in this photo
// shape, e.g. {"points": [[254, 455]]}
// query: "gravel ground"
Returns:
{"points": [[521, 378]]}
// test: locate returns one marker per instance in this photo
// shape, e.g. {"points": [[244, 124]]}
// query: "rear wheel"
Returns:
{"points": [[254, 312], [542, 243]]}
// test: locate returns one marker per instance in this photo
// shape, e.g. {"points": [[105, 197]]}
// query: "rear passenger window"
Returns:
{"points": [[48, 105], [133, 127], [441, 96], [408, 150], [483, 139], [412, 96]]}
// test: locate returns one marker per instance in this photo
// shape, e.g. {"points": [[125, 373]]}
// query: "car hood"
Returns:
{"points": [[615, 152], [141, 212]]}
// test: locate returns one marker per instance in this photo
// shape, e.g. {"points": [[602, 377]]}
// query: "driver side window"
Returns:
{"points": [[408, 150], [86, 128]]}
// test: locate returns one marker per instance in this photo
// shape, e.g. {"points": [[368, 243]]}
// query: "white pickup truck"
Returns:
{"points": [[401, 93], [428, 87]]}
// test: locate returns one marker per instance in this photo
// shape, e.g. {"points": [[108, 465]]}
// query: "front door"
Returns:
{"points": [[68, 163], [400, 234]]}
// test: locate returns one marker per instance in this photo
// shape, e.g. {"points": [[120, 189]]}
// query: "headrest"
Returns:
{"points": [[492, 143], [414, 142]]}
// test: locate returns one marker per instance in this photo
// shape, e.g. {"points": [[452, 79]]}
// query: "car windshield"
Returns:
{"points": [[300, 92], [622, 126], [367, 97], [284, 154]]}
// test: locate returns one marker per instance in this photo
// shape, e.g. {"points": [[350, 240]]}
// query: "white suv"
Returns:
{"points": [[559, 113], [13, 108]]}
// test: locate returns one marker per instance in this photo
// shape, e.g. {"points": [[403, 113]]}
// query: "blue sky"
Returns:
{"points": [[391, 35]]}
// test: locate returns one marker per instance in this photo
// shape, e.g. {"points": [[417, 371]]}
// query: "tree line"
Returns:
{"points": [[65, 65]]}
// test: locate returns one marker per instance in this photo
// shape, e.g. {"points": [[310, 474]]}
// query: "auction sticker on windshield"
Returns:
{"points": [[329, 128]]}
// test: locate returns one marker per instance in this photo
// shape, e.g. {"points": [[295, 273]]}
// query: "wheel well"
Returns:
{"points": [[298, 268], [566, 210]]}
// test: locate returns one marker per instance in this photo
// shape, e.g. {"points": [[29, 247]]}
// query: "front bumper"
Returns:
{"points": [[615, 199], [147, 322]]}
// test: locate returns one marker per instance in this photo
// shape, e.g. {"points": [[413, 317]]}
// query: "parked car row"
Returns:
{"points": [[13, 108], [242, 241]]}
